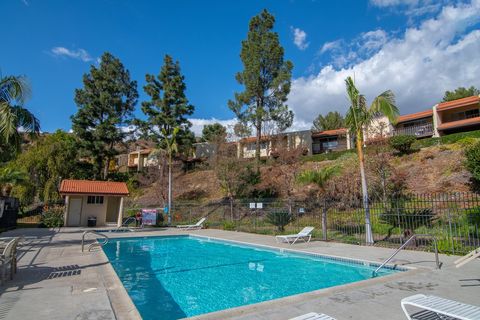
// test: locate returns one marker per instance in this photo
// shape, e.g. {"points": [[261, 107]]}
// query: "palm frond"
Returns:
{"points": [[319, 177], [14, 89], [26, 120], [385, 104], [8, 122]]}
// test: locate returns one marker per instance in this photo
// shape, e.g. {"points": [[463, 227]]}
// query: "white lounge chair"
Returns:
{"points": [[198, 225], [472, 255], [439, 308], [313, 316], [305, 235]]}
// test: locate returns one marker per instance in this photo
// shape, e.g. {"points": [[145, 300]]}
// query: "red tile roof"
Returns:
{"points": [[93, 187], [334, 132], [459, 123], [254, 139], [415, 116], [458, 103]]}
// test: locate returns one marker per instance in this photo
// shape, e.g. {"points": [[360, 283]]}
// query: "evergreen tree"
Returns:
{"points": [[333, 120], [214, 133], [168, 106], [105, 105], [460, 93], [266, 78]]}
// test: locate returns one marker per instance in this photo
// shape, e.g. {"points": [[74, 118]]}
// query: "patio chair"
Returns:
{"points": [[439, 308], [305, 235], [472, 255], [313, 316], [198, 225], [6, 260]]}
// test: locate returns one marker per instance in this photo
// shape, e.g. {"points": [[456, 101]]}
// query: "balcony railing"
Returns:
{"points": [[424, 130]]}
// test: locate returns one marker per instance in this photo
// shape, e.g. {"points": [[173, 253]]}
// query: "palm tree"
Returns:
{"points": [[10, 177], [319, 177], [14, 91], [358, 118]]}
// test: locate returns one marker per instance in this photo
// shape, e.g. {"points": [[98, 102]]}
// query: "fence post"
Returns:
{"points": [[450, 229], [324, 221]]}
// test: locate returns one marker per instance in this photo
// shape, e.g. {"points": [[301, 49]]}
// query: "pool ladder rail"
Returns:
{"points": [[126, 223], [96, 243], [437, 261]]}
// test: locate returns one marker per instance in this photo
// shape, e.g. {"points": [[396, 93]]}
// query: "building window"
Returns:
{"points": [[330, 144], [252, 146], [95, 199]]}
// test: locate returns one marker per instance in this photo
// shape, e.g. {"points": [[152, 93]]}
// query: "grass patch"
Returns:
{"points": [[327, 156], [448, 139]]}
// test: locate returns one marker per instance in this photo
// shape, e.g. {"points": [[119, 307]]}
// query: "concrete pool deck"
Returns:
{"points": [[56, 280]]}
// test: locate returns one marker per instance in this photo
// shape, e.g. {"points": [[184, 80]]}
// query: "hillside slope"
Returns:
{"points": [[429, 170]]}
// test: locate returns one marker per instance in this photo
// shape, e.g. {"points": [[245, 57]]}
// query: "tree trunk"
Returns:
{"points": [[105, 169], [368, 227], [257, 146], [169, 189]]}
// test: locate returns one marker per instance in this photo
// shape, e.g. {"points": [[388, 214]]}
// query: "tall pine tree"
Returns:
{"points": [[266, 78], [168, 106], [105, 105]]}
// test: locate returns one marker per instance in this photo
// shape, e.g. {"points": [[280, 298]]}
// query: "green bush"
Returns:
{"points": [[472, 161], [228, 225], [407, 219], [279, 219], [52, 218], [467, 142], [447, 139], [402, 143], [473, 216]]}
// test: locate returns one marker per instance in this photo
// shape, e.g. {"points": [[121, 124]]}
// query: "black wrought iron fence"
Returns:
{"points": [[452, 218]]}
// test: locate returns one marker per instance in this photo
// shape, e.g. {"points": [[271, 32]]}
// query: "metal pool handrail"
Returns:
{"points": [[437, 261], [125, 223], [105, 241]]}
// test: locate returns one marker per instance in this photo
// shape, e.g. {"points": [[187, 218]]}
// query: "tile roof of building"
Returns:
{"points": [[458, 103], [459, 123], [415, 116], [334, 132], [93, 187]]}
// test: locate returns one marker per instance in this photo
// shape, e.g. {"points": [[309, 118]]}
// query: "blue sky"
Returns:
{"points": [[417, 48]]}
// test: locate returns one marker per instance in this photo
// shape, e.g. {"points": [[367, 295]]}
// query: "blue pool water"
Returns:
{"points": [[177, 277]]}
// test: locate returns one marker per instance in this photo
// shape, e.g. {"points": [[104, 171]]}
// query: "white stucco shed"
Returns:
{"points": [[100, 199]]}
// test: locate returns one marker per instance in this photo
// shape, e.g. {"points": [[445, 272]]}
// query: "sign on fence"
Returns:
{"points": [[149, 217]]}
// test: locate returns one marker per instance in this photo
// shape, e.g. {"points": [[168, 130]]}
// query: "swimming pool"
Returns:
{"points": [[175, 277]]}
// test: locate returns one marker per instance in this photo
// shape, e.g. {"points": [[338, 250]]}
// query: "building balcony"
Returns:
{"points": [[419, 131]]}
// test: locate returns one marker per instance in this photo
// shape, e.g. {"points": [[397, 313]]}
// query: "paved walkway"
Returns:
{"points": [[56, 281]]}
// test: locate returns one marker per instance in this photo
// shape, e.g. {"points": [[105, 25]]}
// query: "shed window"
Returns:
{"points": [[95, 199]]}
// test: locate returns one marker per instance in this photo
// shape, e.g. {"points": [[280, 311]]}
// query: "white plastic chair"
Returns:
{"points": [[439, 308], [198, 225], [305, 235], [472, 255], [313, 316]]}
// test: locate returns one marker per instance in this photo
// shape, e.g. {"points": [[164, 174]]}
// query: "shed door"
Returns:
{"points": [[74, 212]]}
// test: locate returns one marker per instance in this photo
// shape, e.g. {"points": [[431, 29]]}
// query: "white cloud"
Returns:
{"points": [[198, 124], [80, 54], [300, 38], [419, 65], [373, 40], [331, 46], [390, 3]]}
